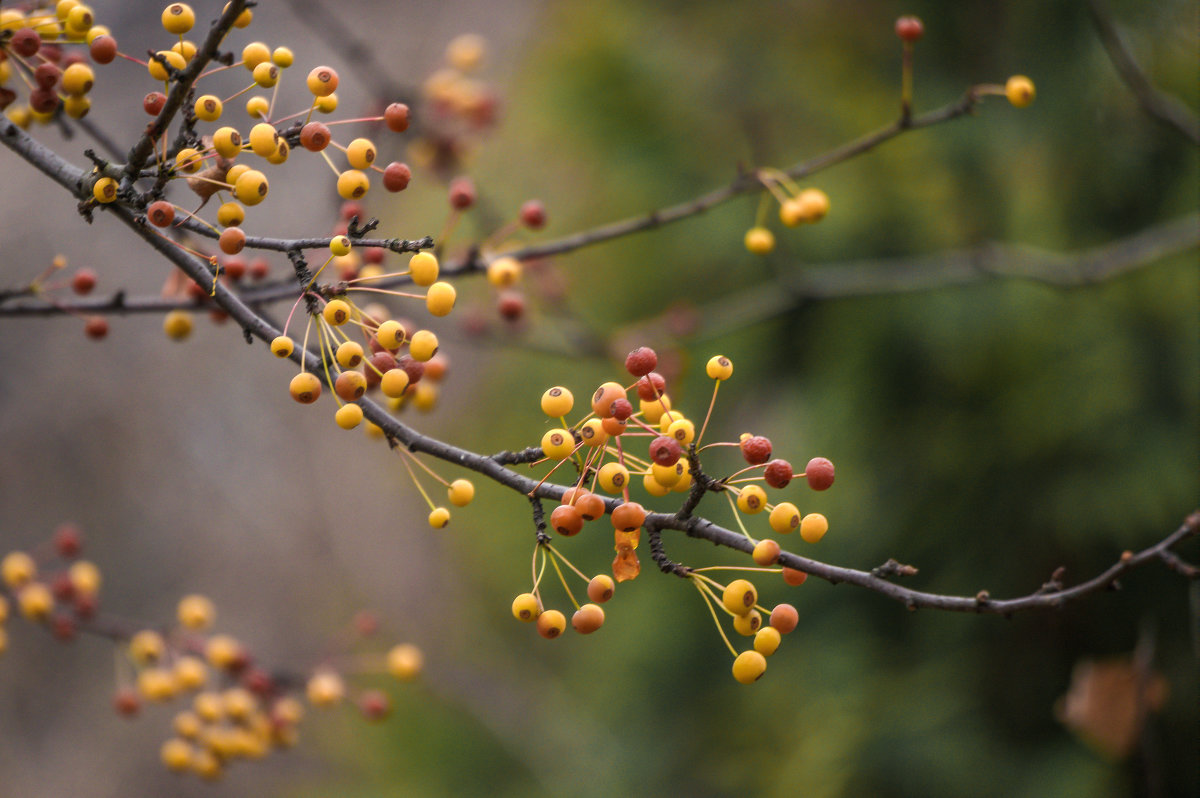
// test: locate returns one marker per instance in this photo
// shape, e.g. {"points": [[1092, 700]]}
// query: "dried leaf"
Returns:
{"points": [[629, 539], [625, 564], [1102, 705]]}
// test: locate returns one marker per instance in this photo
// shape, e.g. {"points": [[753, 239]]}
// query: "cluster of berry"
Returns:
{"points": [[237, 709], [605, 448]]}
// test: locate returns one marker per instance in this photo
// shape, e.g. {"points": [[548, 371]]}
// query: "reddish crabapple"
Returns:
{"points": [[909, 28], [756, 449], [819, 473]]}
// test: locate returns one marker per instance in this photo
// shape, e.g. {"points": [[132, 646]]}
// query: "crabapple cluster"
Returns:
{"points": [[614, 448], [459, 107], [229, 707], [796, 207]]}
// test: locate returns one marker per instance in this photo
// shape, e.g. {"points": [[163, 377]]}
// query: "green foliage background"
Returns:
{"points": [[987, 434]]}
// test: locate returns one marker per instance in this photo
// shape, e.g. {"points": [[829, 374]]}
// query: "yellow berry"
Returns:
{"points": [[503, 272], [652, 411], [35, 601], [262, 139], [17, 569], [814, 205], [327, 104], [424, 345], [766, 640], [439, 299], [557, 402], [254, 54], [461, 492], [551, 623], [105, 190], [682, 430], [747, 624], [234, 172], [282, 151], [752, 499], [613, 477], [208, 108], [76, 107], [173, 59], [791, 212], [266, 74], [394, 383], [759, 240], [360, 153], [766, 552], [325, 688], [349, 354], [740, 596], [305, 388], [439, 517], [784, 518], [558, 444], [813, 527], [719, 367], [322, 81], [593, 433], [251, 187], [196, 612], [80, 19], [465, 52], [257, 107], [337, 312], [667, 476], [84, 577], [230, 214], [405, 661], [282, 57], [147, 647], [424, 267], [749, 667], [243, 19], [282, 346], [78, 79], [352, 184], [348, 416], [653, 486], [177, 325], [222, 651], [176, 754], [340, 245], [178, 18], [526, 607], [1020, 91], [184, 48], [228, 143], [190, 673]]}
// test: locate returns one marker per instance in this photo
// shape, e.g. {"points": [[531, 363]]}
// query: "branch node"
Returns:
{"points": [[893, 568]]}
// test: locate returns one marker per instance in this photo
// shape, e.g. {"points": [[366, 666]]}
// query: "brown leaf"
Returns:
{"points": [[625, 564], [1102, 704]]}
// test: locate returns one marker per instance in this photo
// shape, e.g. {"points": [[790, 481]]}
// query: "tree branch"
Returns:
{"points": [[1163, 107]]}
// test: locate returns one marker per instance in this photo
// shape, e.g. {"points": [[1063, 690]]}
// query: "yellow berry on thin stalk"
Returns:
{"points": [[1020, 91]]}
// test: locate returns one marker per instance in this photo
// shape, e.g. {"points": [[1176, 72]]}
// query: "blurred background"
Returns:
{"points": [[986, 433]]}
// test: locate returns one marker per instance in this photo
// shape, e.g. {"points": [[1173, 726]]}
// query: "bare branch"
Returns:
{"points": [[1163, 107]]}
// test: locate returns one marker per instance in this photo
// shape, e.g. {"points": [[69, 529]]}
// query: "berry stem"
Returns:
{"points": [[708, 600], [736, 515], [420, 489], [561, 578]]}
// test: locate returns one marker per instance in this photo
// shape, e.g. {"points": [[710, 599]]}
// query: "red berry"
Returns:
{"points": [[396, 176], [511, 305], [160, 213], [462, 193], [621, 409], [909, 28], [794, 577], [383, 362], [259, 268], [62, 586], [665, 450], [350, 209], [756, 449], [315, 137], [641, 361], [96, 327], [83, 282], [396, 117], [103, 49], [258, 681], [819, 473], [415, 369], [46, 76], [43, 101], [25, 42], [153, 102], [566, 520], [234, 268], [778, 473], [68, 540], [126, 702], [651, 386], [533, 214]]}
